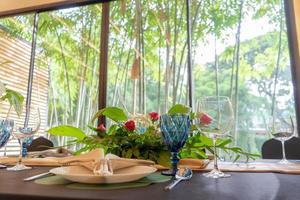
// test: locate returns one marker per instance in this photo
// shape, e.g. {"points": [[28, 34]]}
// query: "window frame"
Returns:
{"points": [[293, 42]]}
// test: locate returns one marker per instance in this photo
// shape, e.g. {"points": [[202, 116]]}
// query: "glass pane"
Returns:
{"points": [[15, 49], [245, 56], [69, 42], [238, 50], [147, 60], [65, 81]]}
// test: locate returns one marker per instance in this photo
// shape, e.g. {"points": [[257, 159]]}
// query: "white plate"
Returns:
{"points": [[83, 175]]}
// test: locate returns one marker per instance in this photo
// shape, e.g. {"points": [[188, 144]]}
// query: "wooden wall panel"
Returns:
{"points": [[15, 75]]}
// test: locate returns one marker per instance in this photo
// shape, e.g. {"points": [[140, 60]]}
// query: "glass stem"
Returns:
{"points": [[21, 151], [5, 149], [174, 161], [215, 153], [283, 150]]}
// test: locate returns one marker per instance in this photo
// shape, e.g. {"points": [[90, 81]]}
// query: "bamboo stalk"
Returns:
{"points": [[233, 67], [184, 47], [168, 67], [174, 51], [159, 72], [143, 65], [273, 108], [83, 76], [236, 97], [216, 65], [66, 73], [117, 75]]}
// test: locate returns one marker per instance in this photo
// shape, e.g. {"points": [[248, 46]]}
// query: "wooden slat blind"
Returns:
{"points": [[15, 75]]}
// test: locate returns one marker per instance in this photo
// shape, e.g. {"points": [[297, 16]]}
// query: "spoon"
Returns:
{"points": [[183, 174]]}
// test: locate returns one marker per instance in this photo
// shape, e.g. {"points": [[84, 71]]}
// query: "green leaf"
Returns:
{"points": [[15, 100], [113, 113], [198, 144], [192, 115], [206, 140], [112, 129], [68, 131], [236, 158], [193, 127], [91, 127], [164, 159], [136, 152], [202, 154], [129, 153], [222, 143], [179, 109]]}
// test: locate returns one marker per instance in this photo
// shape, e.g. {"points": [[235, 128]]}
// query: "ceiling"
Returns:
{"points": [[17, 7]]}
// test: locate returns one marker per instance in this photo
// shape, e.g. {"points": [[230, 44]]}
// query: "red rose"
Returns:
{"points": [[154, 116], [101, 128], [205, 118], [130, 125]]}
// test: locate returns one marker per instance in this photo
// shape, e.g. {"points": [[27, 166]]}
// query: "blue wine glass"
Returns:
{"points": [[6, 128], [175, 130]]}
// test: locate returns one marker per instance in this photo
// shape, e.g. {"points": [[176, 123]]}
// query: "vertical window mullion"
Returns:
{"points": [[31, 67]]}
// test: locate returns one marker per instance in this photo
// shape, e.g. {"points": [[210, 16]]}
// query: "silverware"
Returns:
{"points": [[183, 174], [31, 178]]}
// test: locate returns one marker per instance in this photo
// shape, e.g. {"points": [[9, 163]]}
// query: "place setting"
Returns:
{"points": [[175, 133]]}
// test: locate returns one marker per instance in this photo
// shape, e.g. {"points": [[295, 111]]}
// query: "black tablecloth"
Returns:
{"points": [[240, 186]]}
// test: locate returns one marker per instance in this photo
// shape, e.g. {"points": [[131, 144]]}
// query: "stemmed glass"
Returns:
{"points": [[283, 131], [175, 130], [6, 127], [21, 135], [215, 119]]}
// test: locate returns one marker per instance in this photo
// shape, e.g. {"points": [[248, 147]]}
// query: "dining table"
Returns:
{"points": [[240, 186]]}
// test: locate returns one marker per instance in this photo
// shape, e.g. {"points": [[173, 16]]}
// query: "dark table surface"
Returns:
{"points": [[240, 186]]}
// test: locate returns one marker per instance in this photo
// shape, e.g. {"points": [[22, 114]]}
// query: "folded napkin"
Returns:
{"points": [[44, 162], [92, 160], [194, 164], [95, 161]]}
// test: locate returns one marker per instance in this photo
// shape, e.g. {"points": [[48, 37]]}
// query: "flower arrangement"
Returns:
{"points": [[139, 136]]}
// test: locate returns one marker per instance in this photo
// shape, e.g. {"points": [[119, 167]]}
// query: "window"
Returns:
{"points": [[239, 49], [66, 65]]}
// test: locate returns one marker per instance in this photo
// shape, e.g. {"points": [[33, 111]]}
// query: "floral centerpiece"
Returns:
{"points": [[139, 136]]}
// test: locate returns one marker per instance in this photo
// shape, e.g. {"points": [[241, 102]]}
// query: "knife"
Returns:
{"points": [[31, 178]]}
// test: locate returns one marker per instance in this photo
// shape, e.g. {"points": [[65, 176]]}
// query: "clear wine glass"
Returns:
{"points": [[22, 134], [282, 131], [215, 119]]}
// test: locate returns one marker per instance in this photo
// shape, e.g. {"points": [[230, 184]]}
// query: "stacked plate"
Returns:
{"points": [[83, 175]]}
